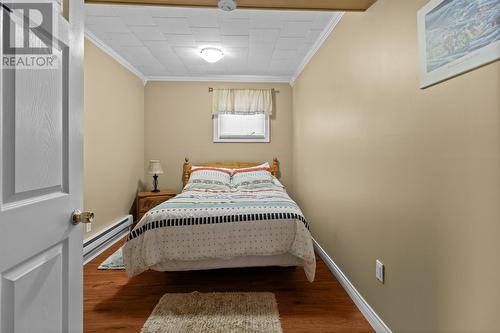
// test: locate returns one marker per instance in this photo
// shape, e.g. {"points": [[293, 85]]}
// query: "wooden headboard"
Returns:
{"points": [[186, 169]]}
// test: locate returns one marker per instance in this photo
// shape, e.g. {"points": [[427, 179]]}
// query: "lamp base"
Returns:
{"points": [[155, 184]]}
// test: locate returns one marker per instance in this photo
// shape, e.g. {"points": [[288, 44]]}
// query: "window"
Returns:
{"points": [[238, 127]]}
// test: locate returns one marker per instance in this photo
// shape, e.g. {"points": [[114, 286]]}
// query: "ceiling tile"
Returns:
{"points": [[107, 23], [173, 25], [206, 34], [167, 11], [187, 53], [267, 19], [287, 43], [259, 61], [160, 50], [236, 14], [295, 29], [304, 48], [261, 50], [135, 16], [297, 15], [167, 40], [237, 62], [280, 68], [321, 20], [236, 51], [179, 70], [284, 54], [147, 33], [98, 10], [123, 39], [235, 27], [234, 41], [216, 68], [203, 19], [180, 40], [313, 35], [264, 35], [151, 70], [141, 55]]}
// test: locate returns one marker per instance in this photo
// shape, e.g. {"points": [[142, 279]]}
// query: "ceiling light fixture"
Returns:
{"points": [[227, 5], [211, 54]]}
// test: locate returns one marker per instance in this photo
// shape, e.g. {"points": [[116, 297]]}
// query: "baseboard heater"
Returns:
{"points": [[96, 244]]}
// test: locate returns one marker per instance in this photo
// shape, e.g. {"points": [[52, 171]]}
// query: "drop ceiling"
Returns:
{"points": [[163, 43]]}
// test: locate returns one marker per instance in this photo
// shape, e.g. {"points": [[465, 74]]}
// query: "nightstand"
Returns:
{"points": [[148, 200]]}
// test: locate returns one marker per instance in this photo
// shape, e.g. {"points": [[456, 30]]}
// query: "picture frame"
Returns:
{"points": [[456, 36]]}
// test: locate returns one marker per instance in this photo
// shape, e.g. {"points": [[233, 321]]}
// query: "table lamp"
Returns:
{"points": [[155, 169]]}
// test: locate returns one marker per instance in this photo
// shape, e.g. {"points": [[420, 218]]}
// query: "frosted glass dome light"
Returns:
{"points": [[211, 54]]}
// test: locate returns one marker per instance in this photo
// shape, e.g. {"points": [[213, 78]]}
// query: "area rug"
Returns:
{"points": [[114, 261], [215, 312]]}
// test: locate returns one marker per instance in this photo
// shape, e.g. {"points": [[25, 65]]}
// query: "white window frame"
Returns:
{"points": [[217, 137]]}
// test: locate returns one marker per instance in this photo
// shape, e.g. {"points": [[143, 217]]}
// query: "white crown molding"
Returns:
{"points": [[109, 51], [224, 78], [319, 42], [371, 316]]}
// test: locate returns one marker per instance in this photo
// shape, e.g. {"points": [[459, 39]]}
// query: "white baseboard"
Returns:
{"points": [[371, 316], [101, 241]]}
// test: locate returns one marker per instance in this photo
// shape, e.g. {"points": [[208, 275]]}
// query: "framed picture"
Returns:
{"points": [[456, 36]]}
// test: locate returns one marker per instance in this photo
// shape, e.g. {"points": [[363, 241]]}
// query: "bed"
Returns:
{"points": [[228, 215]]}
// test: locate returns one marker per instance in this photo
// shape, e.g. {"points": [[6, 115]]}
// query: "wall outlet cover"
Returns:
{"points": [[379, 270], [88, 227]]}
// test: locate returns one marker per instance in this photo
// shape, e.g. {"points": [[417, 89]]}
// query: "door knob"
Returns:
{"points": [[82, 217]]}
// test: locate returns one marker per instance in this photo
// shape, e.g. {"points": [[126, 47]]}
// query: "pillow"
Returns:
{"points": [[209, 178], [262, 166], [277, 182], [253, 177], [211, 168]]}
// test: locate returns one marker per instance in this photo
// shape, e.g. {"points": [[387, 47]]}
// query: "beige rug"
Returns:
{"points": [[215, 312]]}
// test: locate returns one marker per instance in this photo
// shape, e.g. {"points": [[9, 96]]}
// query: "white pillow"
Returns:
{"points": [[252, 177], [264, 165], [277, 182], [196, 167], [209, 178]]}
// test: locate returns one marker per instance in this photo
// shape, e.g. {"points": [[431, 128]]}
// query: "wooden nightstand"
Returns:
{"points": [[148, 200]]}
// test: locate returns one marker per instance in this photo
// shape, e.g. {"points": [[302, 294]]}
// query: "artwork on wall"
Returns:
{"points": [[456, 36]]}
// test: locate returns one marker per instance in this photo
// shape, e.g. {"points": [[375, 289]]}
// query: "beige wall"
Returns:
{"points": [[385, 170], [178, 123], [113, 137]]}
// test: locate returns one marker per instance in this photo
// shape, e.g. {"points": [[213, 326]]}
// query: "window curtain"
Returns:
{"points": [[242, 101]]}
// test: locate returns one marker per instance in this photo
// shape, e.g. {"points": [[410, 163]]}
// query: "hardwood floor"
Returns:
{"points": [[115, 303]]}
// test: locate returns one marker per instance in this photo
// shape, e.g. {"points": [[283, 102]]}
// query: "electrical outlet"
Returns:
{"points": [[88, 227], [379, 270]]}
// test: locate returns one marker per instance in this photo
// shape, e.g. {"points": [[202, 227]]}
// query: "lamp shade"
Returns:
{"points": [[155, 167]]}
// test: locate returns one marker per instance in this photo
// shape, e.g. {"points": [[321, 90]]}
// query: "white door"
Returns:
{"points": [[41, 109]]}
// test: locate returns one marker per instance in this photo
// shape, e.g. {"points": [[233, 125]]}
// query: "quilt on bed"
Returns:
{"points": [[201, 224]]}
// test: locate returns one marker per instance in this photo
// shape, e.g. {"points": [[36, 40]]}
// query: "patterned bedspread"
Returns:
{"points": [[206, 224]]}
